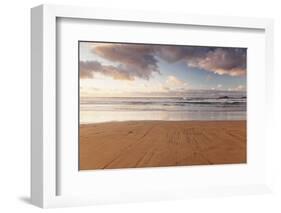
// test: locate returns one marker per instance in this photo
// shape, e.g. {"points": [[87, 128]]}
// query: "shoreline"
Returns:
{"points": [[158, 143], [186, 121]]}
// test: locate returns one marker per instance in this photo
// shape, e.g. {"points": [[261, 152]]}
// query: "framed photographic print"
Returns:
{"points": [[153, 105], [149, 106]]}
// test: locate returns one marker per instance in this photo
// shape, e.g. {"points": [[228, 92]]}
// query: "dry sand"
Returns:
{"points": [[136, 144]]}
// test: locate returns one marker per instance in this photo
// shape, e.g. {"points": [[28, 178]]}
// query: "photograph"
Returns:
{"points": [[147, 105]]}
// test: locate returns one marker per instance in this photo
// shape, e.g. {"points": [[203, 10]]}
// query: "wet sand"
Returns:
{"points": [[137, 144]]}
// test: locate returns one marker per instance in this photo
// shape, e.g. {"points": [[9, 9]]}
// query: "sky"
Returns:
{"points": [[129, 70]]}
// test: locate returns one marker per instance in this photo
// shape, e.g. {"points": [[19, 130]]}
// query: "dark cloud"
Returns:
{"points": [[176, 53], [141, 61], [222, 61], [89, 68]]}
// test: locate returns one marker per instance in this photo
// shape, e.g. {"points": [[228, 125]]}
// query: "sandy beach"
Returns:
{"points": [[137, 144]]}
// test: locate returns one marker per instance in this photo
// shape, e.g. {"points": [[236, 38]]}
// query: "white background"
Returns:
{"points": [[15, 98]]}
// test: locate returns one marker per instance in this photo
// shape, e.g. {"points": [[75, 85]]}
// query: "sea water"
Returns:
{"points": [[195, 105]]}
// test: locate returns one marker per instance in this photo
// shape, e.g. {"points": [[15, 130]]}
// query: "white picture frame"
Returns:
{"points": [[44, 83]]}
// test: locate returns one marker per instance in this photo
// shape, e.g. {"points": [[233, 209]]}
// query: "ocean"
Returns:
{"points": [[196, 105]]}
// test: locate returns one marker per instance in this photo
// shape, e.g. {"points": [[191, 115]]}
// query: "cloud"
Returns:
{"points": [[139, 60], [219, 60], [89, 68], [222, 61], [174, 81], [238, 88], [175, 53], [132, 61]]}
